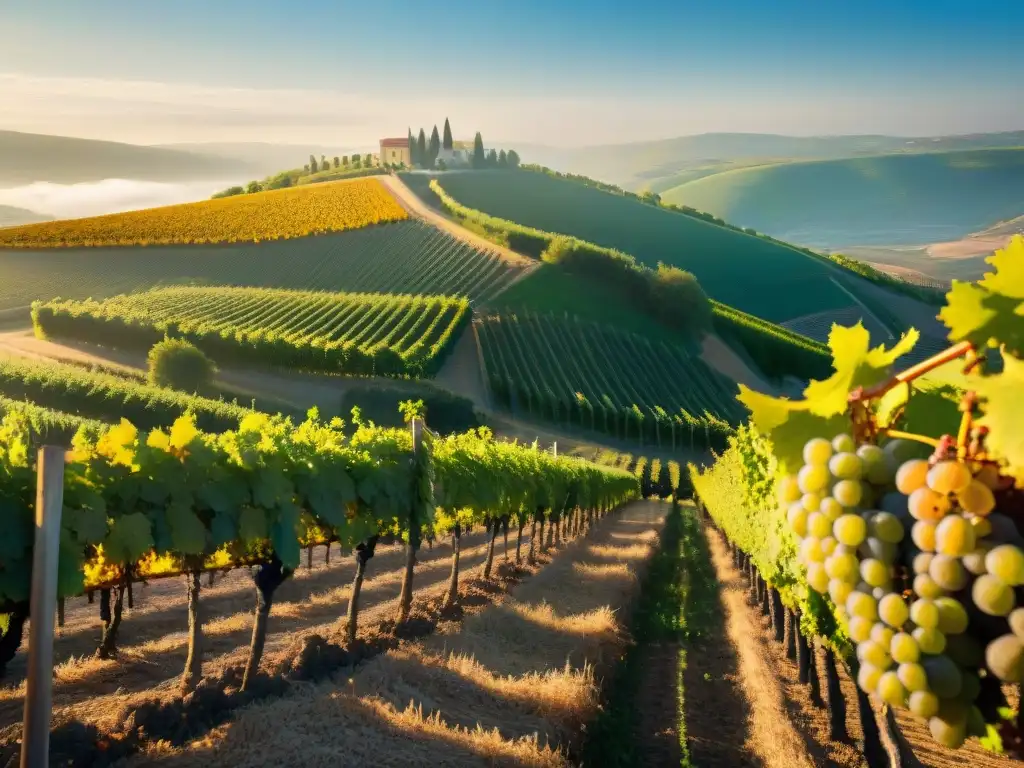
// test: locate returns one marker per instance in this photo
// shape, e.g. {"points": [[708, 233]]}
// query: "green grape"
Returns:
{"points": [[921, 562], [817, 577], [954, 536], [1017, 622], [818, 525], [843, 444], [982, 527], [1003, 657], [911, 476], [989, 476], [813, 478], [896, 503], [864, 606], [976, 725], [878, 550], [828, 545], [810, 551], [811, 501], [882, 635], [951, 735], [891, 690], [952, 616], [903, 648], [831, 508], [797, 517], [893, 611], [923, 703], [926, 504], [874, 572], [1007, 562], [965, 650], [949, 477], [850, 530], [817, 451], [944, 676], [992, 595], [880, 592], [925, 586], [970, 688], [948, 573], [788, 490], [976, 499], [974, 561], [924, 613], [874, 654], [887, 527], [846, 466], [839, 591], [923, 535], [930, 641], [913, 677], [868, 677], [859, 629], [880, 473], [842, 567], [871, 454], [848, 493]]}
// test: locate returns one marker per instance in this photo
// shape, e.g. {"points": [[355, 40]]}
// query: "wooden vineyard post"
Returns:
{"points": [[405, 599], [35, 745]]}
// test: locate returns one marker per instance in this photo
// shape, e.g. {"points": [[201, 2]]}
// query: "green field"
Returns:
{"points": [[406, 257], [759, 277], [900, 199], [380, 334], [600, 378]]}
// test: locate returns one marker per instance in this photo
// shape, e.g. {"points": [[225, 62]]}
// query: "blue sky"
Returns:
{"points": [[560, 71]]}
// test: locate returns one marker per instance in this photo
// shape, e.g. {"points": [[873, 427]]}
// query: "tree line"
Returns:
{"points": [[425, 153]]}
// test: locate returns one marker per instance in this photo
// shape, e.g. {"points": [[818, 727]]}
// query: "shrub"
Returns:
{"points": [[180, 365], [229, 192]]}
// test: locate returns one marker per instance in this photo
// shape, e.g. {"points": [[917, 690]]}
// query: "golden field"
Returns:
{"points": [[274, 215]]}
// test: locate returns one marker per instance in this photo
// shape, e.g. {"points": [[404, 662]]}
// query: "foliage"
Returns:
{"points": [[336, 174], [381, 334], [598, 378], [289, 213], [105, 397], [46, 425], [179, 364], [445, 412], [229, 192]]}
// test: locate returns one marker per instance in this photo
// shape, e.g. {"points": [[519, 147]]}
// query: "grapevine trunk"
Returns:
{"points": [[364, 552], [836, 703], [519, 542], [405, 599], [111, 623], [531, 555], [493, 529], [194, 663], [11, 640], [267, 578], [453, 582]]}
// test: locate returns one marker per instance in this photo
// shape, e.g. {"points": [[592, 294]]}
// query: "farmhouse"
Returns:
{"points": [[395, 151], [461, 153]]}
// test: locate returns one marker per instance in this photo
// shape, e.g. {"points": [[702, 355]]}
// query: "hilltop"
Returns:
{"points": [[891, 200], [11, 216]]}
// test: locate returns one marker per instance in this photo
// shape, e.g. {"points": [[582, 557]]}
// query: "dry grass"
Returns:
{"points": [[511, 685]]}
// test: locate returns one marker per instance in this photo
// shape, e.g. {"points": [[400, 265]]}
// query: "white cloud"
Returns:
{"points": [[69, 201]]}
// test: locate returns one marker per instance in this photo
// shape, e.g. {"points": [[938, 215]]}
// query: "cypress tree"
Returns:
{"points": [[479, 158], [435, 146], [422, 158], [448, 143], [413, 159]]}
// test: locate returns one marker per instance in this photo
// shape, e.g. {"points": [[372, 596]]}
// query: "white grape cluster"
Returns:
{"points": [[965, 560]]}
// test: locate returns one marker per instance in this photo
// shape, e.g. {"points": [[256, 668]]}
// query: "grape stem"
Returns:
{"points": [[899, 435], [915, 371]]}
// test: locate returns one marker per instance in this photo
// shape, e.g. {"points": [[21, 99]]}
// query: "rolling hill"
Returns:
{"points": [[31, 157], [901, 199], [12, 216], [756, 276]]}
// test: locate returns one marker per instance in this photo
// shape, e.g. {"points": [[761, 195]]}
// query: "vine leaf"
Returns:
{"points": [[188, 533], [1003, 407], [790, 424], [129, 539]]}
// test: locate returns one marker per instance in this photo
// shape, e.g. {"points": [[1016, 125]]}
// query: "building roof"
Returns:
{"points": [[404, 142]]}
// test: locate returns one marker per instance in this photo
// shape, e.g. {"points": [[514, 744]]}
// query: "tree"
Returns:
{"points": [[254, 186], [502, 159], [422, 158], [344, 160], [306, 167], [181, 365], [447, 143], [435, 146], [337, 161], [513, 159], [312, 164], [479, 158], [413, 154], [323, 163], [492, 159], [368, 160]]}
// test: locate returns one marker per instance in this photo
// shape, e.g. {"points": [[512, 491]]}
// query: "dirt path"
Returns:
{"points": [[462, 372], [511, 685], [416, 207], [719, 356]]}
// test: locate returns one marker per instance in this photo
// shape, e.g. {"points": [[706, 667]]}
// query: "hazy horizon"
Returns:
{"points": [[560, 74]]}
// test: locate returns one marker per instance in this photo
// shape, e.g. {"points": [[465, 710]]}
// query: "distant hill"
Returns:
{"points": [[264, 158], [30, 157], [663, 164], [11, 216], [900, 199]]}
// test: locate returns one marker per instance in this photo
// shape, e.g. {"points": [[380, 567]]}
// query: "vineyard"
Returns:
{"points": [[380, 334], [788, 283], [880, 518], [142, 507], [599, 378], [273, 215], [407, 257]]}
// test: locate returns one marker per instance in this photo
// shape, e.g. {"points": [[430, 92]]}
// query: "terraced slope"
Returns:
{"points": [[406, 257], [600, 378], [759, 277]]}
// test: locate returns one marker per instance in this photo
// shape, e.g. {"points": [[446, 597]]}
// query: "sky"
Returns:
{"points": [[558, 72]]}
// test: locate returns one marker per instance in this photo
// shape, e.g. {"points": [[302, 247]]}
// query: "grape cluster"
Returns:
{"points": [[907, 602]]}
